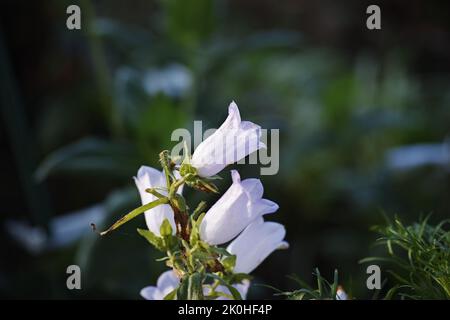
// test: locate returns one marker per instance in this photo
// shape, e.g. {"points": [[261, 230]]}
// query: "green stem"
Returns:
{"points": [[215, 285], [174, 187]]}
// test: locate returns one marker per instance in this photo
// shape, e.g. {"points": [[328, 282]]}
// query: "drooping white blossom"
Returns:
{"points": [[168, 281], [256, 243], [240, 205], [233, 141], [148, 177]]}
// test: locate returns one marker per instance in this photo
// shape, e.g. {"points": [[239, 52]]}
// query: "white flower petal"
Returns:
{"points": [[166, 283], [239, 206], [263, 206], [256, 243], [167, 279], [148, 293], [148, 177], [253, 188], [235, 176]]}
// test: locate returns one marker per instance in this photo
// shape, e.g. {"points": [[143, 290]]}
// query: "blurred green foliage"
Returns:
{"points": [[325, 290], [418, 256], [105, 100]]}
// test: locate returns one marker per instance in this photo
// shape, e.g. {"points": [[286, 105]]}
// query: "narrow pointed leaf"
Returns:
{"points": [[133, 214], [156, 241], [234, 292]]}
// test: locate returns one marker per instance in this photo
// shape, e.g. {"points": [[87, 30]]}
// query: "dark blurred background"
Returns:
{"points": [[364, 119]]}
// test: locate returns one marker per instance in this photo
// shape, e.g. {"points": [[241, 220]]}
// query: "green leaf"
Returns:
{"points": [[195, 232], [156, 241], [201, 256], [191, 287], [199, 220], [220, 251], [133, 214], [199, 210], [229, 262], [155, 192], [418, 256], [170, 241], [162, 259], [334, 286], [319, 282], [391, 293], [234, 292], [172, 295], [239, 277], [166, 228]]}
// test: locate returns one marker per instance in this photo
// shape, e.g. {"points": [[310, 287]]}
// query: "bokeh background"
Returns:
{"points": [[364, 119]]}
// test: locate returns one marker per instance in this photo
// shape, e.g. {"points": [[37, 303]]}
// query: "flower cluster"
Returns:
{"points": [[200, 268]]}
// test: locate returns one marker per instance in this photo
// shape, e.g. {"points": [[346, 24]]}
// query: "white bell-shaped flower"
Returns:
{"points": [[240, 205], [256, 243], [233, 141], [148, 177], [167, 282]]}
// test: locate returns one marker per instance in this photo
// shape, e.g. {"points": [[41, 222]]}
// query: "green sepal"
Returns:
{"points": [[229, 262], [186, 169], [170, 241], [166, 228]]}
